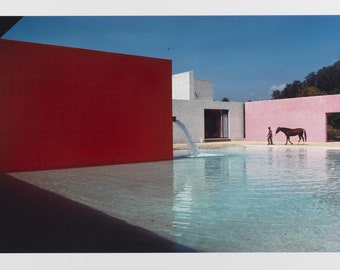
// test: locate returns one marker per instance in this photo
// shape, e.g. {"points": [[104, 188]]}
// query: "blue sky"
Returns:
{"points": [[246, 57]]}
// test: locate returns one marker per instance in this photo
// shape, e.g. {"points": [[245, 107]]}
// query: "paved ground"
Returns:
{"points": [[235, 143], [34, 220], [38, 217]]}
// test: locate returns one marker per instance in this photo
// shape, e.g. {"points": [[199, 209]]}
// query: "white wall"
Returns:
{"points": [[181, 85], [186, 87]]}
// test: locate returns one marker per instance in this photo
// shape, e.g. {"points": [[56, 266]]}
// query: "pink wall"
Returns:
{"points": [[308, 113]]}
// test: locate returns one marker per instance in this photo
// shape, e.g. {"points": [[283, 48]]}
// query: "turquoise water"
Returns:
{"points": [[256, 199], [235, 199]]}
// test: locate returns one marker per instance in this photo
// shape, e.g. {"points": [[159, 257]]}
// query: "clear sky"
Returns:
{"points": [[246, 57]]}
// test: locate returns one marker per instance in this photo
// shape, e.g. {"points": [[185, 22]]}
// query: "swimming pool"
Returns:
{"points": [[259, 199], [234, 199]]}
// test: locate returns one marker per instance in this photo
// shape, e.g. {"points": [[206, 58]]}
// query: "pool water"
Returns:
{"points": [[235, 199], [255, 199]]}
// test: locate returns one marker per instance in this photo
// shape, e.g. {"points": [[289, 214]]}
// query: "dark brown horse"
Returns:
{"points": [[293, 132]]}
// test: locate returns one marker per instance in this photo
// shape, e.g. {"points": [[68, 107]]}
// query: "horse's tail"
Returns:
{"points": [[305, 134]]}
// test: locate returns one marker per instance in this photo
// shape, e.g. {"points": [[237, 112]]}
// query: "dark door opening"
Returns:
{"points": [[216, 125], [333, 127]]}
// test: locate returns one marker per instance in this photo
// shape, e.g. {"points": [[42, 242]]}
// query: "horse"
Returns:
{"points": [[293, 132]]}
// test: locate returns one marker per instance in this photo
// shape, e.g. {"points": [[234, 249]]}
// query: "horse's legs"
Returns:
{"points": [[301, 137], [288, 138]]}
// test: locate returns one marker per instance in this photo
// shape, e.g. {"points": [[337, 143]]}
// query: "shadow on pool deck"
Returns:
{"points": [[34, 220]]}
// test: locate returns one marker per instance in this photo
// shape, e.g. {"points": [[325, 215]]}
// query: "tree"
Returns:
{"points": [[308, 91], [276, 94], [291, 90], [326, 81], [225, 99]]}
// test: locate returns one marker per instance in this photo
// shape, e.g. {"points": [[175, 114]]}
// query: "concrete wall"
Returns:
{"points": [[66, 107], [203, 90], [308, 113], [186, 87], [183, 85], [191, 113]]}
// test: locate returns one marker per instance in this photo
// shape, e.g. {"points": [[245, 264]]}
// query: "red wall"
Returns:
{"points": [[65, 107]]}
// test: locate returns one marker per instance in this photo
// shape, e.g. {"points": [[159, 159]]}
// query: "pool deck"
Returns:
{"points": [[211, 145], [38, 219], [35, 220]]}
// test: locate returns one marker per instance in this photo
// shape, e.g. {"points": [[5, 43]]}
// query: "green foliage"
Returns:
{"points": [[332, 133], [333, 126], [324, 82], [225, 99], [307, 91], [333, 119]]}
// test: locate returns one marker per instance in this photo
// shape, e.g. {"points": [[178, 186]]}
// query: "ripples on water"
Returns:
{"points": [[245, 199], [236, 199]]}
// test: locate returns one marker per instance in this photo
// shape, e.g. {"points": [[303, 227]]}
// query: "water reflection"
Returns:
{"points": [[333, 164], [329, 194], [255, 199]]}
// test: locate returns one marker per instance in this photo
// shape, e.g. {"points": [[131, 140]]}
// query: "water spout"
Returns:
{"points": [[193, 149]]}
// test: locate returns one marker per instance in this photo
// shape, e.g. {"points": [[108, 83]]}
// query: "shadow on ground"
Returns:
{"points": [[34, 220]]}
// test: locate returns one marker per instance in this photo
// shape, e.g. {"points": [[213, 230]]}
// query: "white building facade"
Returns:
{"points": [[206, 120]]}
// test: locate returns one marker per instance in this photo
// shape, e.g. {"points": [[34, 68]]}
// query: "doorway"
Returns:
{"points": [[333, 127], [216, 125]]}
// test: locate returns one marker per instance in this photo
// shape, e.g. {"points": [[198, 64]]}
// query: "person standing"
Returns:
{"points": [[270, 136]]}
